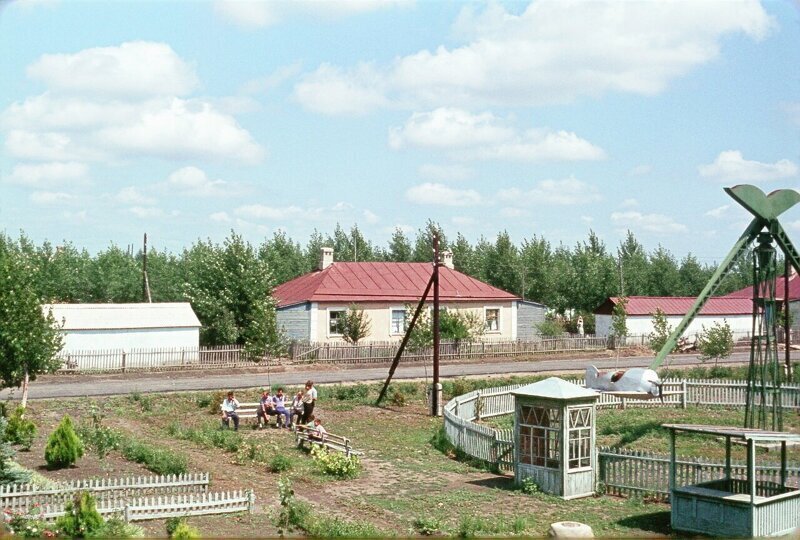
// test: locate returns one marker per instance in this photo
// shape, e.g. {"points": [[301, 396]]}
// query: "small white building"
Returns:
{"points": [[737, 312], [92, 327]]}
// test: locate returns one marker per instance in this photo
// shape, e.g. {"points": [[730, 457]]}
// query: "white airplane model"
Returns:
{"points": [[638, 383]]}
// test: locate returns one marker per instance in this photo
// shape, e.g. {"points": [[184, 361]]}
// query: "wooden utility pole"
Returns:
{"points": [[145, 282], [787, 330], [435, 391]]}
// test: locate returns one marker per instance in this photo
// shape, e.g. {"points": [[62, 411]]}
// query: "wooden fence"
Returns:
{"points": [[149, 359], [23, 497], [621, 471]]}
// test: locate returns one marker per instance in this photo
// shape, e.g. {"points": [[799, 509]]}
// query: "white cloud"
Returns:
{"points": [[371, 217], [273, 80], [510, 212], [330, 91], [629, 203], [195, 182], [80, 216], [134, 69], [131, 195], [446, 173], [220, 217], [123, 117], [252, 14], [52, 198], [441, 195], [49, 174], [553, 52], [485, 136], [640, 170], [272, 213], [587, 219], [653, 223], [719, 211], [463, 221], [730, 166], [146, 212], [568, 191]]}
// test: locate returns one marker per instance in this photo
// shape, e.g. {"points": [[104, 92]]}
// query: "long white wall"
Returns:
{"points": [[140, 338], [641, 325]]}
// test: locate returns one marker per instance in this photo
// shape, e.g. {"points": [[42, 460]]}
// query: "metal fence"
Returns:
{"points": [[621, 471], [151, 359]]}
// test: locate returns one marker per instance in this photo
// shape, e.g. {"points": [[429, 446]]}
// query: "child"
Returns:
{"points": [[319, 432]]}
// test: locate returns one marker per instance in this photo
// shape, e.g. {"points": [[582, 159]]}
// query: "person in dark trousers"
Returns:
{"points": [[229, 406], [309, 400]]}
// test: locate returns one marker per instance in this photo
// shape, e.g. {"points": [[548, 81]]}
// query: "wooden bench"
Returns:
{"points": [[329, 440], [249, 411]]}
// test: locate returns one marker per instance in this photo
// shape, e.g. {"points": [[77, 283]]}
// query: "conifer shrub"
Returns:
{"points": [[184, 531], [81, 518], [64, 447], [20, 430]]}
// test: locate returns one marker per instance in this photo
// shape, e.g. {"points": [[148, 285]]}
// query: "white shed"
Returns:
{"points": [[91, 327]]}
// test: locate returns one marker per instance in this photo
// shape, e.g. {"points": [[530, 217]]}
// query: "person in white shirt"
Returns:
{"points": [[309, 400], [229, 406], [297, 408], [318, 432]]}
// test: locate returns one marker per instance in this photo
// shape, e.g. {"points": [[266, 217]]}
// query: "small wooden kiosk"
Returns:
{"points": [[736, 507], [554, 424]]}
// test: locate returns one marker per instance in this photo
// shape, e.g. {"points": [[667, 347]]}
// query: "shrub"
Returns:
{"points": [[349, 392], [64, 447], [203, 401], [293, 513], [216, 400], [98, 437], [529, 486], [427, 526], [116, 527], [280, 463], [335, 464], [207, 435], [551, 328], [158, 460], [661, 331], [81, 518], [30, 524], [398, 398], [20, 430], [251, 452], [715, 343], [184, 531]]}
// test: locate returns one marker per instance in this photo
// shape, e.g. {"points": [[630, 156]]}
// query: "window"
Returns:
{"points": [[580, 437], [398, 322], [539, 436], [334, 316], [492, 316]]}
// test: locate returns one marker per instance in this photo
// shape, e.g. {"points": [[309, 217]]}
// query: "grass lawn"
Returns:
{"points": [[405, 487]]}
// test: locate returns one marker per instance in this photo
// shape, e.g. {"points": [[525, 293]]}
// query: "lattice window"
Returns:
{"points": [[580, 437], [540, 436]]}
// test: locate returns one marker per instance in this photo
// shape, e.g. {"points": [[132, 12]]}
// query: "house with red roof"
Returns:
{"points": [[736, 311], [780, 294], [309, 306]]}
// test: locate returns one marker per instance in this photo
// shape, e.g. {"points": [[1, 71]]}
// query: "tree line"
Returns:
{"points": [[229, 284]]}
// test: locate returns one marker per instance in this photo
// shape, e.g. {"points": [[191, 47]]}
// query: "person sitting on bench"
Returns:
{"points": [[318, 432], [280, 409], [266, 408], [297, 408], [229, 406]]}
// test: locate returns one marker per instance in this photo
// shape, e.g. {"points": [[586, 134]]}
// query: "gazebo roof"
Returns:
{"points": [[555, 388], [736, 432]]}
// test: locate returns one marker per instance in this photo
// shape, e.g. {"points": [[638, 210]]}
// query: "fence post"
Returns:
{"points": [[251, 501], [126, 513], [683, 394], [622, 401], [123, 361], [478, 406]]}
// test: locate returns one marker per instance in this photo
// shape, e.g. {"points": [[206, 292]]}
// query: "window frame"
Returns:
{"points": [[329, 311], [579, 440], [486, 328], [392, 310], [546, 440]]}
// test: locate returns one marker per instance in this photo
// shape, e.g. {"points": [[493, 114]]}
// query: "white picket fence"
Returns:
{"points": [[22, 497], [134, 498], [628, 472]]}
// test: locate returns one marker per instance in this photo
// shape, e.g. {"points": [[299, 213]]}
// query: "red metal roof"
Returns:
{"points": [[383, 282], [794, 290], [679, 305]]}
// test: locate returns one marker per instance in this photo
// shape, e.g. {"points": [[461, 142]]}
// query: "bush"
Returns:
{"points": [[203, 401], [20, 430], [116, 527], [184, 531], [81, 518], [98, 437], [427, 526], [158, 460], [551, 328], [208, 435], [28, 524], [661, 331], [715, 343], [293, 514], [529, 486], [216, 400], [398, 398], [64, 447], [279, 463], [334, 463]]}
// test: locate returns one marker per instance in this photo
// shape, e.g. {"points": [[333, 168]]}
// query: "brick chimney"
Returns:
{"points": [[325, 258], [447, 259]]}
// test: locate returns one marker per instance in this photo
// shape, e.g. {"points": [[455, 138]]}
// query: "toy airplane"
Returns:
{"points": [[636, 383]]}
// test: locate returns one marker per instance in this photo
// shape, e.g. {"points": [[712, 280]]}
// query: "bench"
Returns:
{"points": [[247, 411], [329, 440]]}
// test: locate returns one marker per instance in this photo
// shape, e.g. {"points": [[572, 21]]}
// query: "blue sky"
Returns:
{"points": [[188, 119]]}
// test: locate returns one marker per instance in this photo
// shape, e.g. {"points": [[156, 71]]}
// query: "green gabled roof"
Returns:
{"points": [[555, 388]]}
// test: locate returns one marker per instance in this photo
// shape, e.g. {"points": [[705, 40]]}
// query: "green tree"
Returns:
{"points": [[502, 265], [81, 518], [716, 342], [283, 257], [463, 255], [29, 338], [551, 327], [619, 320], [634, 266], [595, 274], [663, 278], [399, 247], [423, 245], [64, 447], [354, 325], [536, 261], [313, 250], [693, 277], [661, 331]]}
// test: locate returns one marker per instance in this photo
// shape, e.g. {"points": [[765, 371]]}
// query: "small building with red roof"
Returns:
{"points": [[736, 311], [309, 306], [780, 294]]}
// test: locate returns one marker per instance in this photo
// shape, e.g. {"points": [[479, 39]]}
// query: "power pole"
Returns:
{"points": [[437, 387], [145, 282], [621, 279]]}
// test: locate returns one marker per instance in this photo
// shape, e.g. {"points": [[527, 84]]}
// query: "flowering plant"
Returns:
{"points": [[28, 524]]}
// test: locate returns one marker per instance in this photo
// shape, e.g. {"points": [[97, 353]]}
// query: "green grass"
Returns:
{"points": [[158, 459]]}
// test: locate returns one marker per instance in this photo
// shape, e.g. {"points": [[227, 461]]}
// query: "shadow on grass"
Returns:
{"points": [[656, 522], [498, 482], [630, 434]]}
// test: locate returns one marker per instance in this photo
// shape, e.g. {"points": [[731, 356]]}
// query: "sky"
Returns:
{"points": [[189, 119]]}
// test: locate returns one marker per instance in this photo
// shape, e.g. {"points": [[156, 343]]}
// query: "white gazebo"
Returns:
{"points": [[554, 425]]}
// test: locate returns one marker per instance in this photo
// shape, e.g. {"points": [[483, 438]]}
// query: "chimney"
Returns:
{"points": [[447, 259], [325, 258]]}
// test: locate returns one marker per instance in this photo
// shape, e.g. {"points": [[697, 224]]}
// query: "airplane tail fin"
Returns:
{"points": [[591, 376]]}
